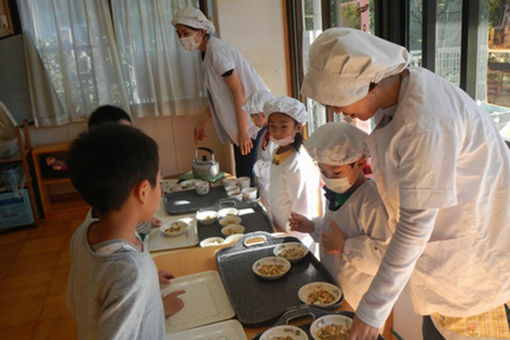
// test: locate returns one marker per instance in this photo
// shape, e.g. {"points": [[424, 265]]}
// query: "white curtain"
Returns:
{"points": [[161, 77], [77, 60]]}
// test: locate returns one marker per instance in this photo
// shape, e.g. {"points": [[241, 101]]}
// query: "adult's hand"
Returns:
{"points": [[362, 331], [244, 141], [199, 130]]}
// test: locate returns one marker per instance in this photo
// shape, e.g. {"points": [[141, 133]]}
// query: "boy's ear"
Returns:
{"points": [[299, 126], [141, 190], [362, 162]]}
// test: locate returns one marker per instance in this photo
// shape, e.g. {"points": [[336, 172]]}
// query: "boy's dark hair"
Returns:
{"points": [[298, 138], [107, 113], [106, 162]]}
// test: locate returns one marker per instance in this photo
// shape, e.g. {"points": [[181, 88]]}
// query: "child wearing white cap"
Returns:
{"points": [[354, 232], [254, 106], [294, 178]]}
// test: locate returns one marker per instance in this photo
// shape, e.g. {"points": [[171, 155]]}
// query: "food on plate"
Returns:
{"points": [[174, 228], [320, 296], [230, 220], [211, 241], [271, 269], [282, 338], [292, 252], [228, 212], [333, 332], [207, 216], [232, 229]]}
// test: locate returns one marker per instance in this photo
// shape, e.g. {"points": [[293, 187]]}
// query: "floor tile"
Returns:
{"points": [[55, 307], [5, 266], [22, 332], [10, 250], [46, 230], [59, 281], [23, 286], [42, 245], [56, 328], [15, 236], [19, 311], [34, 263]]}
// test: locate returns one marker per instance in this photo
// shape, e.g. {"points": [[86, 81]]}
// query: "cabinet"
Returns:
{"points": [[46, 180], [19, 210]]}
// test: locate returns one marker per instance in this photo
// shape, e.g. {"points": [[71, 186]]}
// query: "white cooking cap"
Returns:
{"points": [[337, 144], [194, 18], [290, 106], [255, 101], [342, 62]]}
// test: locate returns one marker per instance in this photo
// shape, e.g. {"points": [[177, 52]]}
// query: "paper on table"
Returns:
{"points": [[225, 330]]}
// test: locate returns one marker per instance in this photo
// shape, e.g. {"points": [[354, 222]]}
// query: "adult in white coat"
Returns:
{"points": [[229, 79], [294, 178], [254, 106], [354, 232], [443, 173]]}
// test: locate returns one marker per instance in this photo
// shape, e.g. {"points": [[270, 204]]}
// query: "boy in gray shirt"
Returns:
{"points": [[113, 290]]}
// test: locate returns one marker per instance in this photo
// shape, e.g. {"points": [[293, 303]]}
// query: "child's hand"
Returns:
{"points": [[164, 276], [155, 222], [172, 303], [300, 223], [333, 242]]}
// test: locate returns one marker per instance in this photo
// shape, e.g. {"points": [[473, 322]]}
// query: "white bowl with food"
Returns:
{"points": [[233, 238], [323, 294], [225, 221], [332, 326], [292, 251], [174, 228], [206, 216], [211, 241], [271, 267], [225, 212], [284, 332], [188, 184], [232, 229]]}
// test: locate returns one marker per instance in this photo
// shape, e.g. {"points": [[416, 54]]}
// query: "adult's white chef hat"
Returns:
{"points": [[194, 18], [255, 101], [290, 106], [342, 62], [337, 144]]}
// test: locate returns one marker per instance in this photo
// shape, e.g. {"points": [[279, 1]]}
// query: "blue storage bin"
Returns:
{"points": [[15, 209]]}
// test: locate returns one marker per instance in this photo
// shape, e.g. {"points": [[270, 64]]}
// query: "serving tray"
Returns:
{"points": [[156, 240], [225, 330], [188, 201], [205, 301], [256, 301], [306, 310], [253, 218]]}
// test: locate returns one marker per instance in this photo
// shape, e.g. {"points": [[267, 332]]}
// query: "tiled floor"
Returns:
{"points": [[34, 263]]}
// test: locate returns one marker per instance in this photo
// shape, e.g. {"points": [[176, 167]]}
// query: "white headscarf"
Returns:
{"points": [[342, 62], [337, 144], [289, 106], [194, 18], [255, 101]]}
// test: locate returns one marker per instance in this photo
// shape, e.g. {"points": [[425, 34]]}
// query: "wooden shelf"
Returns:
{"points": [[48, 181]]}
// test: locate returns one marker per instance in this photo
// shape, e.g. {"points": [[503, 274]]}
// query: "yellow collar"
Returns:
{"points": [[279, 158]]}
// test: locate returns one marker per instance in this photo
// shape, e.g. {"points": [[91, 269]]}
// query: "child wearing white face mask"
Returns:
{"points": [[354, 232], [294, 179]]}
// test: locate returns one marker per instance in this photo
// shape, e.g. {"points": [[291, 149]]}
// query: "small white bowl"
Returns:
{"points": [[232, 229], [237, 194], [231, 187], [174, 228], [228, 212], [310, 292], [211, 241], [207, 216], [233, 238], [188, 184], [261, 265], [225, 221], [292, 251], [293, 332], [202, 188], [249, 194], [229, 181], [331, 319], [244, 182]]}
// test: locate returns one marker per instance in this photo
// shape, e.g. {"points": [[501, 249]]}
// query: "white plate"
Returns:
{"points": [[309, 288], [189, 184], [290, 246], [271, 260], [230, 220], [156, 241], [293, 332], [225, 330], [325, 320], [205, 301], [207, 216], [232, 229], [166, 228], [228, 212], [233, 238], [211, 241]]}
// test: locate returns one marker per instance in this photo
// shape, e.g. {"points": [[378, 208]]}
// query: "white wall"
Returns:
{"points": [[256, 29]]}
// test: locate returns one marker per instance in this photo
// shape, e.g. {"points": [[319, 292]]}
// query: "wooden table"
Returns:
{"points": [[194, 260]]}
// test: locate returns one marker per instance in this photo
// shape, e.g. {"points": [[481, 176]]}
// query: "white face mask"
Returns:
{"points": [[340, 185], [282, 141], [189, 43]]}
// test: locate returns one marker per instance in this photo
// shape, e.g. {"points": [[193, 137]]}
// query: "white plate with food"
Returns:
{"points": [[331, 327], [233, 238], [157, 241], [285, 332], [232, 229], [174, 228], [228, 212], [211, 241], [271, 267], [189, 183], [292, 251], [230, 220], [322, 294], [206, 216]]}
